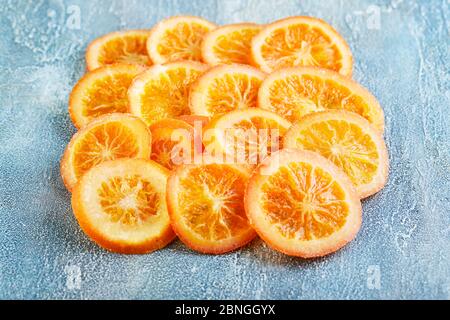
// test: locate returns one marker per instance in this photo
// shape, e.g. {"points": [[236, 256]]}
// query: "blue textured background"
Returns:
{"points": [[403, 60]]}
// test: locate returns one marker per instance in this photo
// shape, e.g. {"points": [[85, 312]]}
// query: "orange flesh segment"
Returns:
{"points": [[162, 152], [304, 202], [169, 93], [211, 202], [247, 135], [182, 42], [105, 142], [235, 46], [121, 205], [107, 95], [233, 91], [301, 45], [129, 200], [296, 95], [346, 145], [172, 143], [252, 146], [129, 48], [194, 120]]}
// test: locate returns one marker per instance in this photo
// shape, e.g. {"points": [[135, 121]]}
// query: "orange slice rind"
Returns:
{"points": [[162, 91], [101, 91], [121, 206], [106, 138], [119, 47], [349, 141], [225, 88], [301, 204], [206, 206], [178, 38], [229, 44], [295, 92]]}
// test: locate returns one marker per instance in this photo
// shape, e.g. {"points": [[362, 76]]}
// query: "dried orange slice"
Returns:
{"points": [[295, 92], [206, 206], [121, 205], [108, 137], [301, 204], [349, 141], [163, 90], [198, 123], [178, 38], [173, 143], [101, 91], [301, 41], [229, 44], [225, 88], [193, 120], [244, 136], [118, 47]]}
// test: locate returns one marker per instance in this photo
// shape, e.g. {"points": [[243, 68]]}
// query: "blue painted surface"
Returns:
{"points": [[402, 57]]}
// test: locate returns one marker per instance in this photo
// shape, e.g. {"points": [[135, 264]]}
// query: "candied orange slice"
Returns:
{"points": [[198, 123], [121, 205], [178, 38], [225, 88], [244, 136], [301, 204], [295, 92], [173, 143], [301, 41], [108, 137], [119, 47], [206, 206], [101, 91], [163, 90], [349, 141], [193, 119], [229, 44]]}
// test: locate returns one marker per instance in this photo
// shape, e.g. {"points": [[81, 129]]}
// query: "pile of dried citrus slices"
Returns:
{"points": [[219, 134]]}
